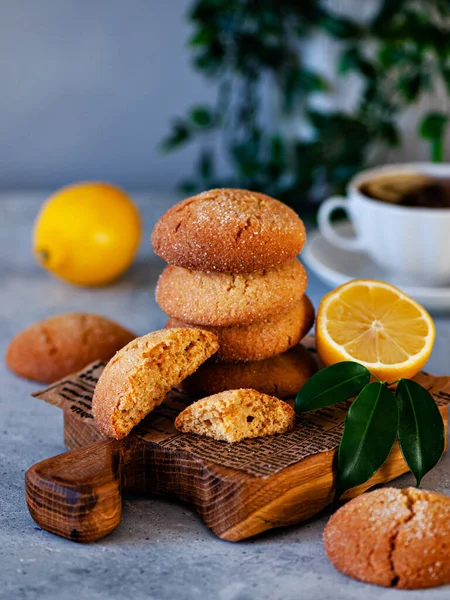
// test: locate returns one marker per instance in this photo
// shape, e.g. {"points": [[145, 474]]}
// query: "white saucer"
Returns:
{"points": [[335, 267]]}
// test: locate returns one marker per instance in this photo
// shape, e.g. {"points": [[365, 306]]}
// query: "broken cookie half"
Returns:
{"points": [[137, 379], [235, 415]]}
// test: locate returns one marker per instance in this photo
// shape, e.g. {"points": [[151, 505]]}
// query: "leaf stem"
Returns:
{"points": [[377, 378], [386, 383]]}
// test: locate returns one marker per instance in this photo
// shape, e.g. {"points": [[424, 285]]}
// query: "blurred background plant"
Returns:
{"points": [[292, 149]]}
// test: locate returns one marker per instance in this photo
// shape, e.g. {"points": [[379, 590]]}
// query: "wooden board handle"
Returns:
{"points": [[77, 495]]}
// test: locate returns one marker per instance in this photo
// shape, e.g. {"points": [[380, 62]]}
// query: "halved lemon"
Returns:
{"points": [[377, 325]]}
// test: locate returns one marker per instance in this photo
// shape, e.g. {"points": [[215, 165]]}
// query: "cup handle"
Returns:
{"points": [[327, 229]]}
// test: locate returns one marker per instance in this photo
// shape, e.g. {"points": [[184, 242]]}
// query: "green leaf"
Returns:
{"points": [[352, 60], [389, 56], [420, 428], [332, 385], [277, 150], [433, 125], [432, 128], [180, 134], [340, 27], [202, 36], [201, 116], [445, 75], [309, 81], [388, 131], [188, 187], [370, 430], [387, 12], [348, 61], [298, 82], [206, 165], [310, 10], [410, 86]]}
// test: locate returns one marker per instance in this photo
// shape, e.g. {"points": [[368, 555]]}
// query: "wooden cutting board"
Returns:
{"points": [[238, 490]]}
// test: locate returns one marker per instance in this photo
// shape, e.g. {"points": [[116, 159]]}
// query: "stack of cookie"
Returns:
{"points": [[233, 271]]}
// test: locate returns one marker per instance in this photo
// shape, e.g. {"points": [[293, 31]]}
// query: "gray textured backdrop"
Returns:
{"points": [[88, 88]]}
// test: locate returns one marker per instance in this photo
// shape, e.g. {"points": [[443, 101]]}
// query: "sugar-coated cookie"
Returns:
{"points": [[281, 376], [261, 339], [235, 415], [228, 230], [223, 299], [139, 376], [392, 537], [55, 347]]}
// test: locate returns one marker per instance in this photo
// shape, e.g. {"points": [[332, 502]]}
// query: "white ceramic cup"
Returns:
{"points": [[412, 242]]}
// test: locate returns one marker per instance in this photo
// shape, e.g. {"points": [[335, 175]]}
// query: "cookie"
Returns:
{"points": [[391, 537], [223, 299], [261, 339], [55, 347], [138, 377], [281, 376], [235, 415], [228, 230]]}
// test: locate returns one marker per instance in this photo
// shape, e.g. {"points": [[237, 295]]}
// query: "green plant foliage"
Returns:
{"points": [[246, 46], [370, 430], [332, 385], [421, 432], [374, 420], [432, 128]]}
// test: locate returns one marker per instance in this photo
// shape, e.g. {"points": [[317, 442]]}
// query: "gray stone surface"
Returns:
{"points": [[161, 550]]}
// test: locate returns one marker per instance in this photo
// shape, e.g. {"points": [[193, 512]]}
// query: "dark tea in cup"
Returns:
{"points": [[400, 219], [409, 189]]}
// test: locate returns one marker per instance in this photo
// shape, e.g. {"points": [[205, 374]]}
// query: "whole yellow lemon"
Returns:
{"points": [[87, 233]]}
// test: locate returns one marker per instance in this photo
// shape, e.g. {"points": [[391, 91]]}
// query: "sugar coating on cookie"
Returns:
{"points": [[139, 376], [261, 339], [224, 299], [281, 376], [394, 538], [228, 230], [235, 415]]}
